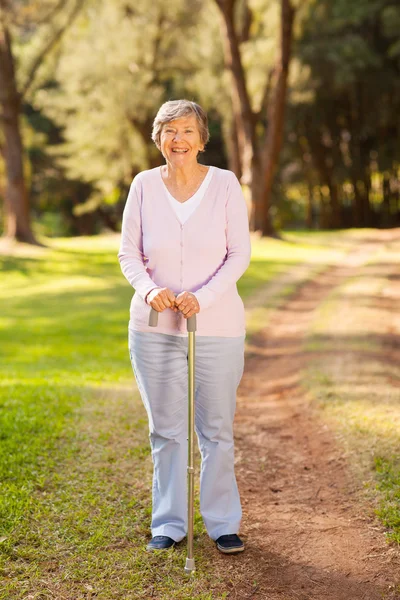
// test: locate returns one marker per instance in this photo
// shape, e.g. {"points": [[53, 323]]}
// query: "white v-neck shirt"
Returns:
{"points": [[184, 210]]}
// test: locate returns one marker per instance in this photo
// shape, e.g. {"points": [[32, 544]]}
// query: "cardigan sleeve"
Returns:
{"points": [[130, 253], [238, 247]]}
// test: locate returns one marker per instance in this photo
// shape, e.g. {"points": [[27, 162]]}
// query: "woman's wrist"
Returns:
{"points": [[148, 294]]}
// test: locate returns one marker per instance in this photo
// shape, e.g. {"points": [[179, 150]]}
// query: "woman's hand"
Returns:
{"points": [[187, 304], [161, 298]]}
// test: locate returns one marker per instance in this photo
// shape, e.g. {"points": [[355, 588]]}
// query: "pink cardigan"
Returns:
{"points": [[206, 255]]}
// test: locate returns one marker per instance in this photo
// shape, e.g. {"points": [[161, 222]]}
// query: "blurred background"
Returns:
{"points": [[303, 98]]}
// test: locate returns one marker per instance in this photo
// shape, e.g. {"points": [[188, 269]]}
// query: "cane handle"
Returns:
{"points": [[153, 320]]}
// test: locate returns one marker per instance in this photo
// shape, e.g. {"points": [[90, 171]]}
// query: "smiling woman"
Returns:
{"points": [[180, 144], [180, 140], [190, 222]]}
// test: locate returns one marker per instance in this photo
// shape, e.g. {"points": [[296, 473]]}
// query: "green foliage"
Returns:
{"points": [[343, 118], [88, 116], [120, 62]]}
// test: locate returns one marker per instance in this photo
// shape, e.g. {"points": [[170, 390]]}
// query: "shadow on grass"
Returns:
{"points": [[364, 347], [340, 238]]}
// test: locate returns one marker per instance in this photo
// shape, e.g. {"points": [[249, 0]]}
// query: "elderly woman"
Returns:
{"points": [[185, 243]]}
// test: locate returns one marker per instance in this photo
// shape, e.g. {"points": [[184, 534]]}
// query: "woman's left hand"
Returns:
{"points": [[187, 304]]}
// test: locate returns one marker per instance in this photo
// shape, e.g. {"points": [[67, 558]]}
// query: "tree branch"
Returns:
{"points": [[267, 91], [53, 11], [276, 110], [240, 98], [22, 17], [48, 47], [157, 44], [245, 25], [6, 10]]}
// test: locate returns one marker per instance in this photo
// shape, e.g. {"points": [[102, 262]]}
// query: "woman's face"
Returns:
{"points": [[180, 141]]}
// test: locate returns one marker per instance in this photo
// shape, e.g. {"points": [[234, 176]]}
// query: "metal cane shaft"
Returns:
{"points": [[191, 328], [190, 468]]}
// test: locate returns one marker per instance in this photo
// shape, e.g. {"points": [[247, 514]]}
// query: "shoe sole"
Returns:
{"points": [[230, 550], [150, 549]]}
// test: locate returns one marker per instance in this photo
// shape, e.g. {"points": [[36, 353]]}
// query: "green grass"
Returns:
{"points": [[74, 456], [388, 475]]}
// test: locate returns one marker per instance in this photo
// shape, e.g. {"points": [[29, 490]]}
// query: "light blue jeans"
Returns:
{"points": [[160, 366]]}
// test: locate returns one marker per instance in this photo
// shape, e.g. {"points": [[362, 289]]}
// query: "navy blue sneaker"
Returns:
{"points": [[160, 542], [230, 544]]}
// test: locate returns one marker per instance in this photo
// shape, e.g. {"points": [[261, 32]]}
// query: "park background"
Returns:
{"points": [[303, 98]]}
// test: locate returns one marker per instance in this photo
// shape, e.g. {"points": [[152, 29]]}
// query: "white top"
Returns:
{"points": [[183, 210]]}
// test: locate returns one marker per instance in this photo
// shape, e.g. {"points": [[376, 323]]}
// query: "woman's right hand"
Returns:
{"points": [[162, 298]]}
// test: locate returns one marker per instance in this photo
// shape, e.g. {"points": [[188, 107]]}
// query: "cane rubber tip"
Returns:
{"points": [[189, 567]]}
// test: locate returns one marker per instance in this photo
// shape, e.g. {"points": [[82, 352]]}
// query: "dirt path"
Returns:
{"points": [[309, 534]]}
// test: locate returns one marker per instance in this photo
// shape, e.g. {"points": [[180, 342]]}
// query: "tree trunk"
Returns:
{"points": [[310, 205], [324, 216], [258, 166], [232, 144], [324, 165], [396, 195], [276, 114], [335, 216], [17, 216], [144, 128], [357, 205], [367, 208], [242, 111], [108, 219], [385, 217]]}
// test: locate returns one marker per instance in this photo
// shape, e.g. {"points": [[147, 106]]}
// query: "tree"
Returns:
{"points": [[111, 79], [259, 154], [344, 109], [25, 18]]}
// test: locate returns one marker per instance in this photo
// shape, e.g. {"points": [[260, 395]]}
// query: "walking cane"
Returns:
{"points": [[191, 328]]}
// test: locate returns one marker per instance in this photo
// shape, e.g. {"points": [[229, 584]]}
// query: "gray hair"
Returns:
{"points": [[175, 109]]}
